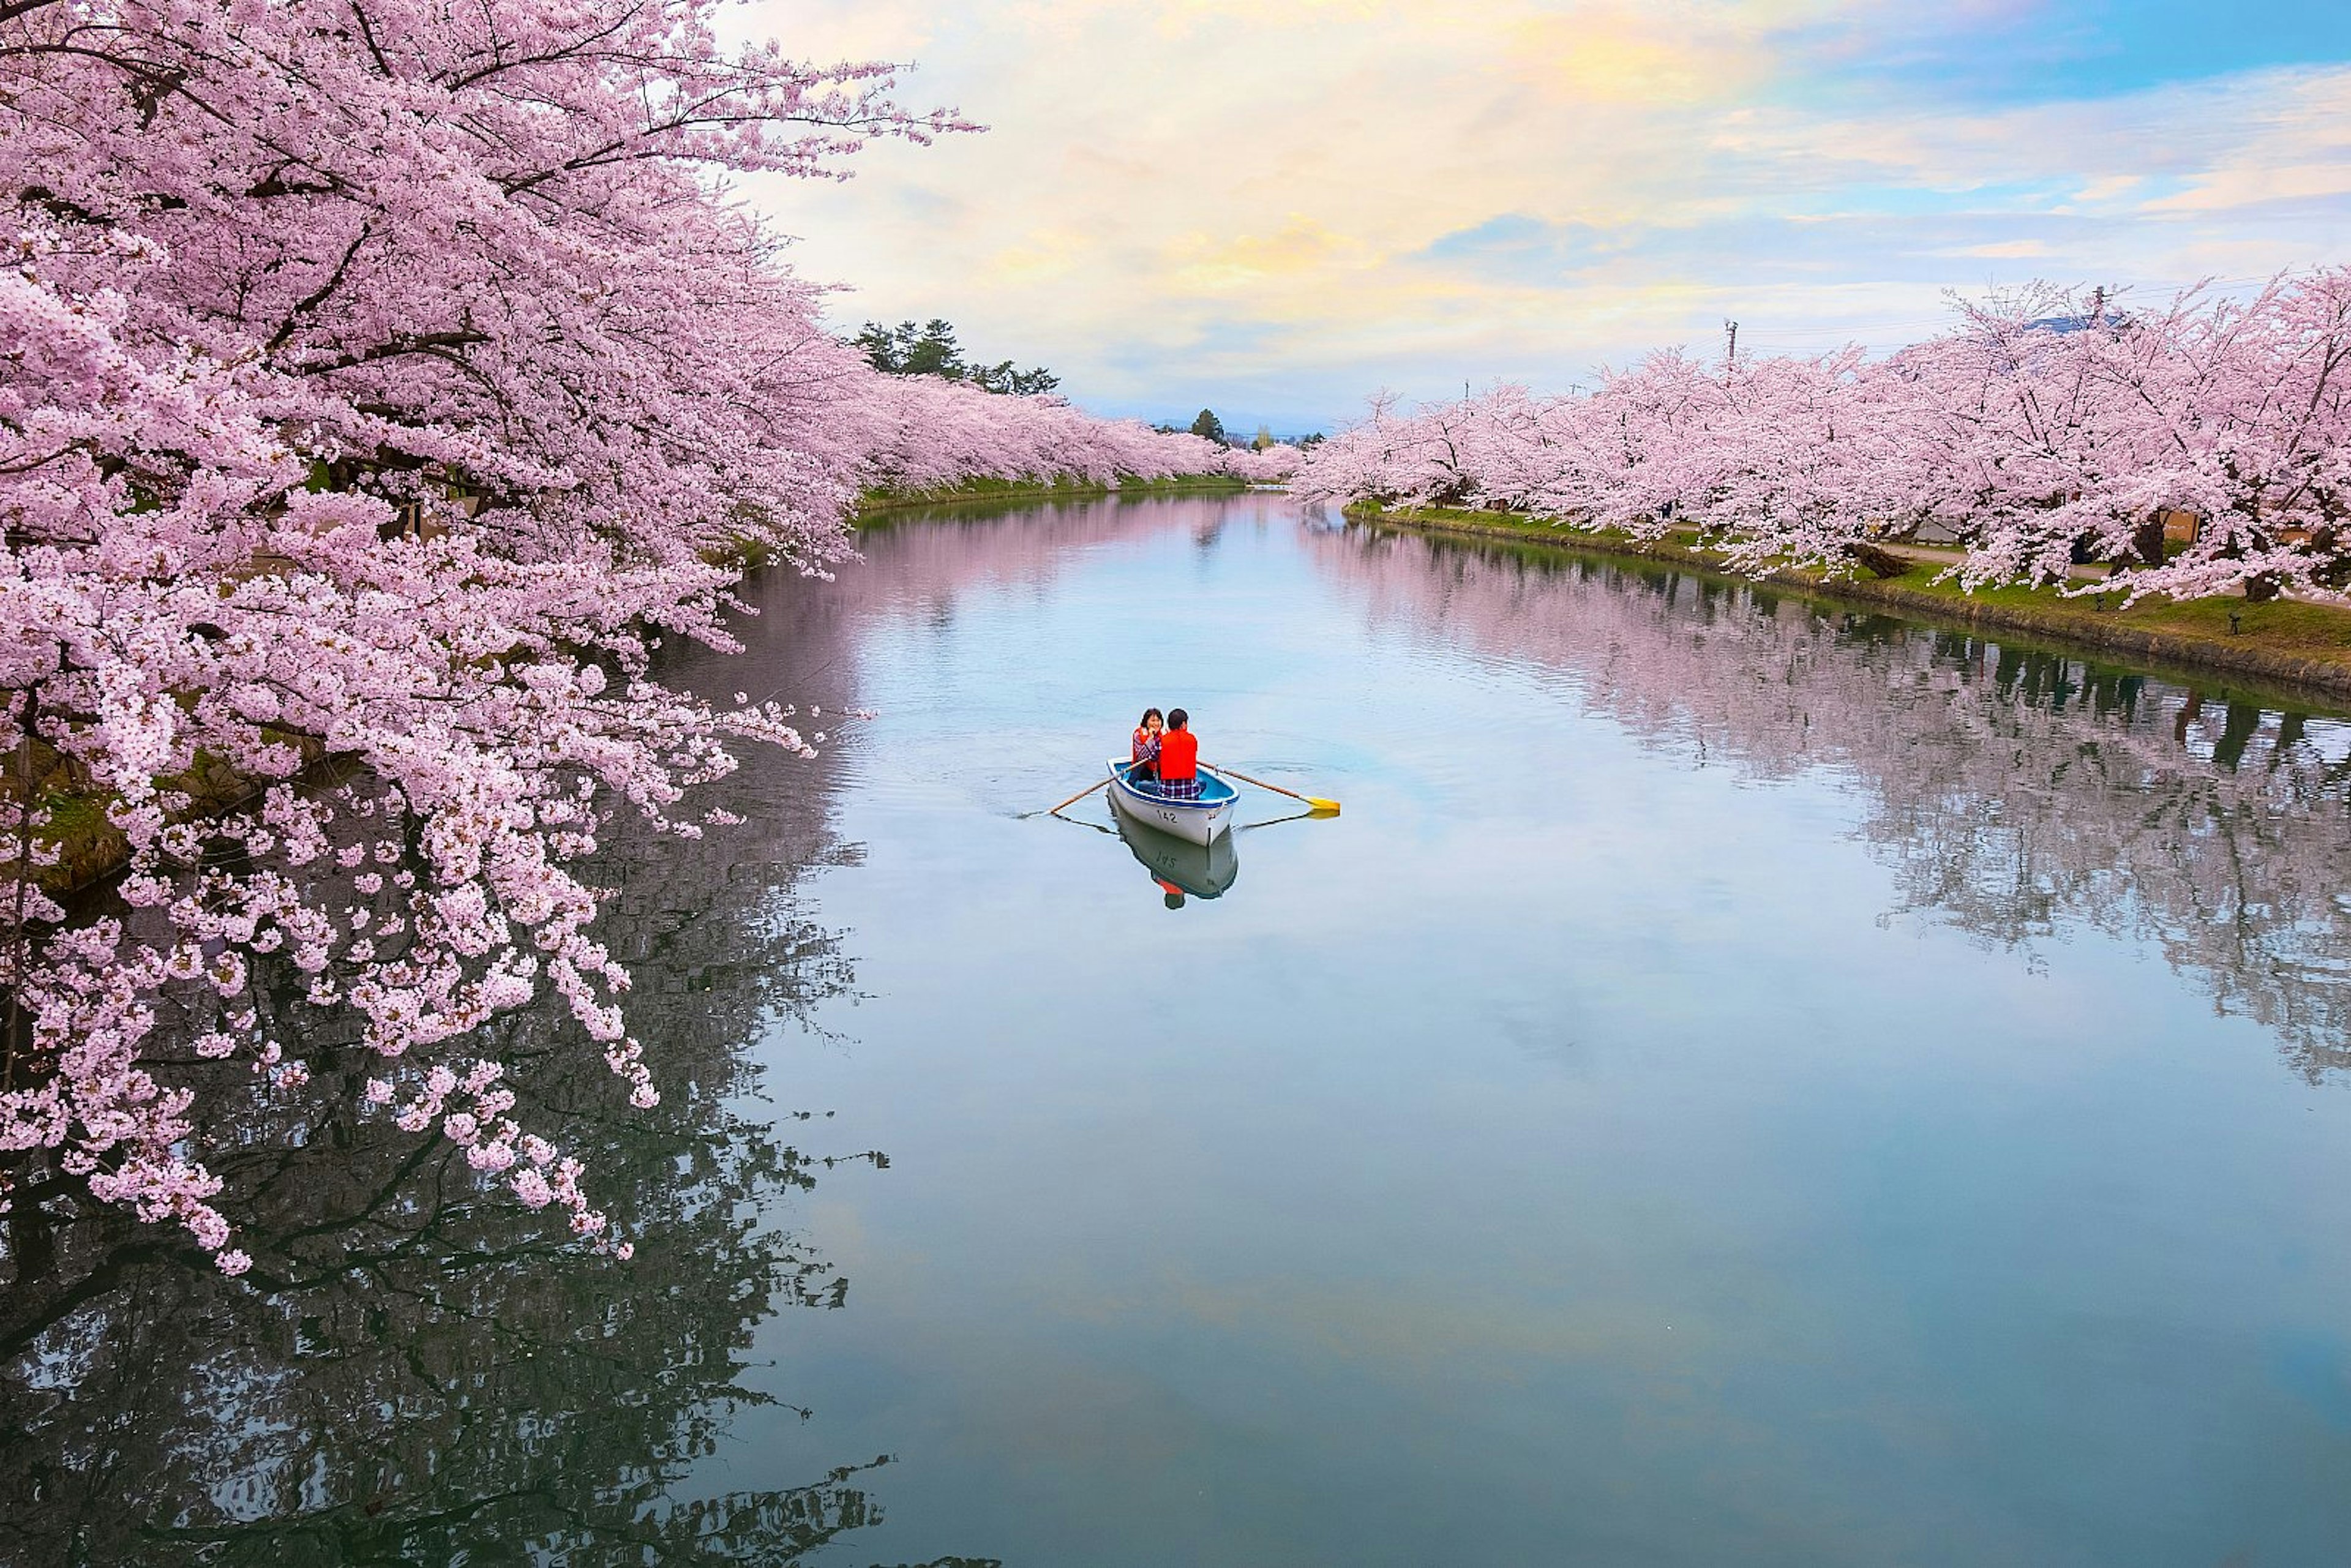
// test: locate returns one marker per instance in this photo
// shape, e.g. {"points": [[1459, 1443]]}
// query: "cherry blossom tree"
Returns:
{"points": [[2046, 428], [2240, 414], [930, 433], [385, 381], [1272, 464]]}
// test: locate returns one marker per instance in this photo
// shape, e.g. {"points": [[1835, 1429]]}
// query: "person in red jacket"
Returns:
{"points": [[1179, 756]]}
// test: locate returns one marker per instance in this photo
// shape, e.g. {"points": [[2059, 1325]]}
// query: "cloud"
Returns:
{"points": [[1521, 245], [1272, 208], [2225, 189], [1300, 247], [1647, 57]]}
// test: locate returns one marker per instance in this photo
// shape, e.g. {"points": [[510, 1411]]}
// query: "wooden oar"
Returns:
{"points": [[1325, 808], [1080, 795]]}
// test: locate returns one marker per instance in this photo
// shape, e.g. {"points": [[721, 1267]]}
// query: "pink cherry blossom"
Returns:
{"points": [[384, 386], [2043, 429]]}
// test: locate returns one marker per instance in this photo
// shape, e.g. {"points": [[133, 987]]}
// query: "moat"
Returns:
{"points": [[1743, 1080]]}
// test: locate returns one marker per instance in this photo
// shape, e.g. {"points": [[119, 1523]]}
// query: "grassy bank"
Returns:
{"points": [[876, 502], [2294, 648]]}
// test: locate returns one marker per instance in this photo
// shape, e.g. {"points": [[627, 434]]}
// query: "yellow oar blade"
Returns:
{"points": [[1321, 808]]}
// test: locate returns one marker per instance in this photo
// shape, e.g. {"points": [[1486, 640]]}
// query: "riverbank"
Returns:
{"points": [[2284, 644], [874, 504]]}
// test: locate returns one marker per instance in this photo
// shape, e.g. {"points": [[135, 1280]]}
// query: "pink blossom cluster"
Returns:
{"points": [[1274, 465], [2043, 429], [383, 383], [927, 434]]}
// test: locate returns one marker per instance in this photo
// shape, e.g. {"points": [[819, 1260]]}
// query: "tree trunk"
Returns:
{"points": [[1881, 562]]}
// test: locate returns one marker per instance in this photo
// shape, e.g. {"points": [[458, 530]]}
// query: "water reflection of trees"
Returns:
{"points": [[932, 557], [416, 1370], [2014, 791]]}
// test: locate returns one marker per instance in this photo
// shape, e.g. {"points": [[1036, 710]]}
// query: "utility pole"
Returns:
{"points": [[1731, 355]]}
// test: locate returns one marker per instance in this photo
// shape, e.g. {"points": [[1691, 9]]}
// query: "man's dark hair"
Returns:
{"points": [[1178, 718]]}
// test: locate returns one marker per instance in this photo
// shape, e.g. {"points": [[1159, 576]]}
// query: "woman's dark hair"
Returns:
{"points": [[1148, 714], [1178, 718]]}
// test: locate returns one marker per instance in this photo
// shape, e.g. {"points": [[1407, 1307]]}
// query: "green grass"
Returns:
{"points": [[1066, 487], [91, 847], [2282, 626], [89, 844], [1500, 523], [68, 817]]}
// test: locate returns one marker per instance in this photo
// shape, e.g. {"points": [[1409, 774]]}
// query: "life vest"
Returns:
{"points": [[1146, 745], [1179, 754]]}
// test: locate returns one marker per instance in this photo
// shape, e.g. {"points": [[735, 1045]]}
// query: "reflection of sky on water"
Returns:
{"points": [[1561, 1155], [1735, 1084]]}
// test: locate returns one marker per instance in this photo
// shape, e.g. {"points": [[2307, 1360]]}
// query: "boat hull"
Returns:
{"points": [[1196, 821], [1179, 865]]}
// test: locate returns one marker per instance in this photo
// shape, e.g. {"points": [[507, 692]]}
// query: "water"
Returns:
{"points": [[1740, 1083]]}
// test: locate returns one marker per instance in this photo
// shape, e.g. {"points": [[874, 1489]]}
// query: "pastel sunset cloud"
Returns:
{"points": [[1275, 208]]}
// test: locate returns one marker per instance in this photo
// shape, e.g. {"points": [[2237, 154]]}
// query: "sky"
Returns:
{"points": [[1276, 209]]}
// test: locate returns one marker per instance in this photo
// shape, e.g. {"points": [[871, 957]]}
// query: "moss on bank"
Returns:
{"points": [[88, 846], [874, 502], [2284, 644]]}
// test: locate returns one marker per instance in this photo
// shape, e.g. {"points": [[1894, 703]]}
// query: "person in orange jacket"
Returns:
{"points": [[1179, 756]]}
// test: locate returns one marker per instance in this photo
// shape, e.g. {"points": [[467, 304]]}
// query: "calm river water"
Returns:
{"points": [[1743, 1082]]}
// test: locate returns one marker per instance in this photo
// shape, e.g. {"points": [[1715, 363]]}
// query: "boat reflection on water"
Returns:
{"points": [[1181, 869]]}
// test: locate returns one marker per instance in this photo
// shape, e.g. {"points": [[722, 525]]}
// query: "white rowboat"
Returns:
{"points": [[1196, 818]]}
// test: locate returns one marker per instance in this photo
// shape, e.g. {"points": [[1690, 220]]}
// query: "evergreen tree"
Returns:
{"points": [[1208, 426], [933, 352], [930, 350]]}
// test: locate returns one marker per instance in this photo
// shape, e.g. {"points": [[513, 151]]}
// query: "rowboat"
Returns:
{"points": [[1179, 866], [1196, 818]]}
